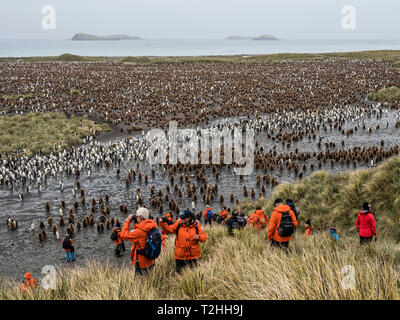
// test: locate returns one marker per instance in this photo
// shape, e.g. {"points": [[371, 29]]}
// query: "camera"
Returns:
{"points": [[134, 219], [169, 222]]}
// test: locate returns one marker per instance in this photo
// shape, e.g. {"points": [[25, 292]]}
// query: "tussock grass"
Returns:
{"points": [[391, 94], [42, 131], [240, 267], [335, 199]]}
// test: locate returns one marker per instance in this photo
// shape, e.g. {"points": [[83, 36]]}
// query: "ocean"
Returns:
{"points": [[181, 47]]}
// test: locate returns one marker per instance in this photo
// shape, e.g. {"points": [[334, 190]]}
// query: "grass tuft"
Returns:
{"points": [[43, 131], [391, 94]]}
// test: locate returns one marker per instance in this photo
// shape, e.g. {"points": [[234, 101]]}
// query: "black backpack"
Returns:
{"points": [[286, 227], [293, 207], [114, 234], [235, 224], [153, 245], [67, 244], [242, 221]]}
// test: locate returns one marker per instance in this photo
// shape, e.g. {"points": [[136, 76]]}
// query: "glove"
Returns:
{"points": [[169, 222]]}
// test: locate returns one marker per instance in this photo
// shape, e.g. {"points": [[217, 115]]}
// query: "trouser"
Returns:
{"points": [[68, 254], [120, 247], [276, 244], [183, 263], [207, 221], [365, 240], [144, 271]]}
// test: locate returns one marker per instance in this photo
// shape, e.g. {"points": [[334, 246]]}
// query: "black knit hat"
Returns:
{"points": [[278, 200], [186, 214], [308, 222], [365, 206]]}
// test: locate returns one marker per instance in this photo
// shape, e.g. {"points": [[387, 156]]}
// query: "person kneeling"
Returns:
{"points": [[189, 234]]}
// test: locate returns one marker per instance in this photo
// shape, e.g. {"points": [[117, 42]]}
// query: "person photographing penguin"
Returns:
{"points": [[189, 234], [143, 224]]}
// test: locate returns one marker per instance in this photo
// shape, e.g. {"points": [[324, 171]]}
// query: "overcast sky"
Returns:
{"points": [[201, 19]]}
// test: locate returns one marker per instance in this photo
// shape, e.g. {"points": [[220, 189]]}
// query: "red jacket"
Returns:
{"points": [[365, 224], [138, 238]]}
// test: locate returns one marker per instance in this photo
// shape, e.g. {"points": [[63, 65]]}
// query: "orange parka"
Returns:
{"points": [[186, 247], [275, 221], [30, 283], [258, 220], [138, 238], [224, 214], [309, 231]]}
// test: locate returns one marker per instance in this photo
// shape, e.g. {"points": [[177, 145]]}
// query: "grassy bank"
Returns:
{"points": [[392, 56], [243, 267], [39, 131], [335, 199], [391, 94]]}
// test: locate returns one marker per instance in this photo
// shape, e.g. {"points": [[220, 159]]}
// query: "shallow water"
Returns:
{"points": [[21, 251], [185, 47]]}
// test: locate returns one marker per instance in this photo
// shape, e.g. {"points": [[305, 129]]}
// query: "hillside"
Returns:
{"points": [[335, 199]]}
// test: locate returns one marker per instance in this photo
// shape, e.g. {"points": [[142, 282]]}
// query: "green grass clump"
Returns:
{"points": [[74, 92], [391, 94], [42, 131], [69, 57], [135, 60]]}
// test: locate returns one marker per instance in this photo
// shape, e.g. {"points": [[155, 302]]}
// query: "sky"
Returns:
{"points": [[201, 19]]}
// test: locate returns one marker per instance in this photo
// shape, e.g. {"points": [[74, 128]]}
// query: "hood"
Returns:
{"points": [[168, 215], [259, 212], [291, 205], [282, 208], [190, 225], [146, 225], [28, 275]]}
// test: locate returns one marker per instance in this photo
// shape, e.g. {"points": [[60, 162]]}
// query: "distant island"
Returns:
{"points": [[263, 37], [88, 37]]}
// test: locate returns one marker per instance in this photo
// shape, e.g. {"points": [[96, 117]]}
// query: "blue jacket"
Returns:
{"points": [[334, 235]]}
